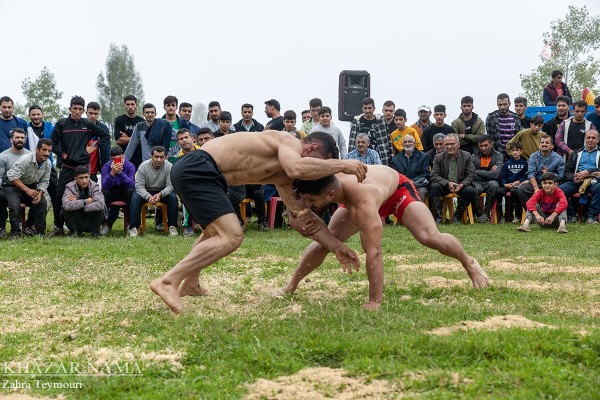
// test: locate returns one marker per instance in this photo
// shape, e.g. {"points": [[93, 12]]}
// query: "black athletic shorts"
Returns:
{"points": [[201, 186]]}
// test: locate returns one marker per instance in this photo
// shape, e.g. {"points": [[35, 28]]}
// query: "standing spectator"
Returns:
{"points": [[8, 122], [556, 88], [170, 104], [70, 138], [594, 116], [571, 133], [520, 108], [124, 126], [224, 125], [502, 124], [513, 174], [153, 185], [362, 152], [583, 168], [530, 138], [402, 130], [185, 112], [289, 123], [40, 129], [562, 113], [305, 116], [8, 158], [439, 114], [314, 105], [388, 116], [424, 113], [118, 184], [214, 112], [83, 204], [325, 126], [468, 126], [488, 164], [152, 132], [375, 128], [546, 205], [247, 123], [453, 172], [28, 180], [413, 164], [273, 111], [98, 156]]}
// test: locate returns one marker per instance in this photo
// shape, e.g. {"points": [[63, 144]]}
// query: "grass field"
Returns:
{"points": [[535, 333]]}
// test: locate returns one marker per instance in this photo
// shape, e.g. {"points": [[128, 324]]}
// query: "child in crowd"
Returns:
{"points": [[545, 205], [289, 121], [403, 130], [513, 173]]}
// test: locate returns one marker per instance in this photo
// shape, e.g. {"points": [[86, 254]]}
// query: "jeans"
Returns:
{"points": [[135, 209]]}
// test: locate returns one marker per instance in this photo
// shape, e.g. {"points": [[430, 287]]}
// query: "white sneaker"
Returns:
{"points": [[133, 232], [173, 231]]}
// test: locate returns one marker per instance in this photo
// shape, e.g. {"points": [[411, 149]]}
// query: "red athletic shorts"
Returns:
{"points": [[405, 194]]}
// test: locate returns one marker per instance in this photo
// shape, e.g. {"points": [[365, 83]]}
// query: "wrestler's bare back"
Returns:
{"points": [[380, 184], [252, 157]]}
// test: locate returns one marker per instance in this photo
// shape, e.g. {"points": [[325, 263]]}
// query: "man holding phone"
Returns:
{"points": [[118, 184]]}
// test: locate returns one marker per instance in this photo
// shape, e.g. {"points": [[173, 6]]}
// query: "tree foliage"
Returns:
{"points": [[121, 79], [572, 43], [199, 113], [42, 91]]}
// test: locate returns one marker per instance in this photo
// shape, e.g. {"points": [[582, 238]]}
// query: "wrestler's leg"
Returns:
{"points": [[225, 237], [417, 219], [191, 284], [342, 228]]}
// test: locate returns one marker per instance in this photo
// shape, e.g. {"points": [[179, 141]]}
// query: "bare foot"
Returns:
{"points": [[371, 306], [192, 290], [478, 276], [168, 293], [285, 290]]}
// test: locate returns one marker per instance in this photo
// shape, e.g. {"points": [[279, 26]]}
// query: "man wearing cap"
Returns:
{"points": [[423, 122], [439, 114]]}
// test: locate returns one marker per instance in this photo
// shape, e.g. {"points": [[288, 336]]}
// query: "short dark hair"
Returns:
{"points": [[184, 105], [502, 96], [324, 110], [17, 130], [225, 116], [466, 100], [77, 101], [202, 131], [316, 102], [273, 103], [327, 146], [580, 103], [537, 120], [44, 141], [130, 97], [515, 145], [6, 99], [81, 169], [314, 187], [182, 131], [564, 99], [116, 151], [484, 138], [400, 113], [247, 105], [546, 136], [367, 100], [597, 101], [289, 115], [439, 108], [214, 103], [549, 176], [158, 149], [93, 105], [169, 100], [148, 105], [305, 112], [388, 103], [34, 107], [556, 73], [521, 100]]}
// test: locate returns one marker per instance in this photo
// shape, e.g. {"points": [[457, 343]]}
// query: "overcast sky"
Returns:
{"points": [[234, 51]]}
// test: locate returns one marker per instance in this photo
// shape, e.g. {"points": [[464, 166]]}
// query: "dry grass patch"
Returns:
{"points": [[18, 396], [545, 265], [320, 384], [490, 324]]}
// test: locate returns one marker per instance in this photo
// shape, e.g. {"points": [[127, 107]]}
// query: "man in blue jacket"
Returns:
{"points": [[152, 132], [8, 122], [38, 129]]}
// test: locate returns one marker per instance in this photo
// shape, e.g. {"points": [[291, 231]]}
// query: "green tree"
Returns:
{"points": [[199, 113], [121, 79], [572, 43], [42, 91]]}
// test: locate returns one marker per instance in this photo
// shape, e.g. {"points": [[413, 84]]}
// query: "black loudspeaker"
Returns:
{"points": [[354, 86]]}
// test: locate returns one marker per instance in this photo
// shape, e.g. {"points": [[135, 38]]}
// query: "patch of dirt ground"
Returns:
{"points": [[17, 396], [491, 324], [320, 384]]}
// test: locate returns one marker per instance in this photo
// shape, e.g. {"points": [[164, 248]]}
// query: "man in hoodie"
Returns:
{"points": [[374, 126], [502, 124], [83, 204], [468, 126], [556, 88], [248, 123], [70, 138]]}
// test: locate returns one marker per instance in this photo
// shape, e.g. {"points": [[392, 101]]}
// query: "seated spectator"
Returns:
{"points": [[83, 204], [556, 88], [118, 184], [453, 172], [530, 137], [439, 126], [153, 185], [27, 181], [362, 152], [335, 132], [8, 157], [594, 116], [402, 130], [438, 147], [413, 164], [571, 133], [513, 174], [545, 205], [488, 164], [542, 161], [582, 171]]}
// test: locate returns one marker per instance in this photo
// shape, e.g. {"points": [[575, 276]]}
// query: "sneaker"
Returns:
{"points": [[573, 220], [188, 231], [3, 233], [524, 228], [263, 227], [29, 231], [104, 229], [173, 231], [516, 221], [159, 227], [57, 232], [483, 218], [133, 232], [562, 229], [591, 221], [97, 235]]}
